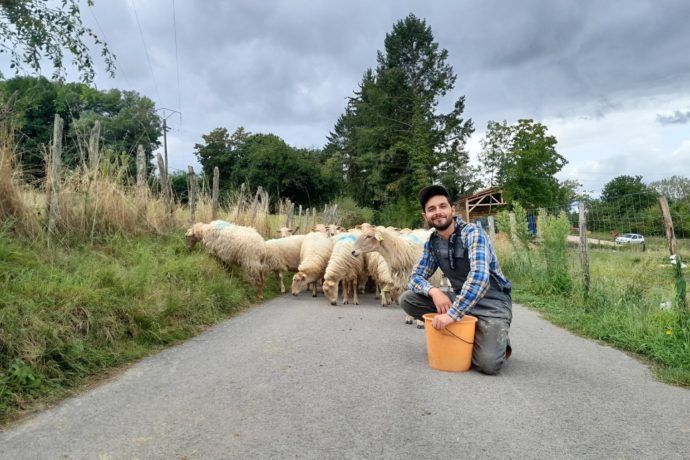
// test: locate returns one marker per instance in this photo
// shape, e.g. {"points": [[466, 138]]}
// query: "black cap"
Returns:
{"points": [[430, 191]]}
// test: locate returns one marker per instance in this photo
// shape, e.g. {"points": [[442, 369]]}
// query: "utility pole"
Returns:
{"points": [[165, 132]]}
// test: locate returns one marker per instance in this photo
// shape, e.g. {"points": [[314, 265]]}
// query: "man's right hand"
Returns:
{"points": [[441, 300]]}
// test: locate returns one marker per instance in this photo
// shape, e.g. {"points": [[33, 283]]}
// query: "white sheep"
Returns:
{"points": [[283, 255], [233, 245], [314, 255], [286, 231], [401, 253], [379, 271], [329, 230], [342, 267]]}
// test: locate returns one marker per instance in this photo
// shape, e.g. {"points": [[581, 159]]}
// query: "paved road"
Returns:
{"points": [[297, 378]]}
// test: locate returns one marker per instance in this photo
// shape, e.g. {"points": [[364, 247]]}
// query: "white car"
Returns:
{"points": [[630, 238]]}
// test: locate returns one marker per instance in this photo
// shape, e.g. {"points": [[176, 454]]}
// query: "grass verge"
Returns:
{"points": [[68, 315], [623, 307]]}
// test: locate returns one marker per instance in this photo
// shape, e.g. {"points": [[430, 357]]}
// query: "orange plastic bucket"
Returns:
{"points": [[450, 349]]}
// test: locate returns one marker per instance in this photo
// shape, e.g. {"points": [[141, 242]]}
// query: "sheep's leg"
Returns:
{"points": [[313, 289], [377, 291], [346, 292], [355, 299], [260, 287], [282, 285], [384, 298]]}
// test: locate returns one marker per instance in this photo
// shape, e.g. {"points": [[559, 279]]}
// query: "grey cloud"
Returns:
{"points": [[677, 117], [292, 64]]}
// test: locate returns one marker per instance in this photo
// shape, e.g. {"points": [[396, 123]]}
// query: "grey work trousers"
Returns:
{"points": [[491, 341]]}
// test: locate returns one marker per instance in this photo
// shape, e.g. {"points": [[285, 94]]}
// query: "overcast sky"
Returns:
{"points": [[610, 79]]}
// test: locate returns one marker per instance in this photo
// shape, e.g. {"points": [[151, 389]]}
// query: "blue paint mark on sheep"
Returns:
{"points": [[221, 224], [412, 237], [346, 237]]}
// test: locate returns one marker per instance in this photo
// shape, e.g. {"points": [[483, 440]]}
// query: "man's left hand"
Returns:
{"points": [[441, 321]]}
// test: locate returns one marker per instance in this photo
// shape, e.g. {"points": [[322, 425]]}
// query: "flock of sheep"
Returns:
{"points": [[340, 260]]}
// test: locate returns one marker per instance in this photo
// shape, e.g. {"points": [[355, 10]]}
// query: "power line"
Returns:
{"points": [[105, 38], [146, 51], [177, 63]]}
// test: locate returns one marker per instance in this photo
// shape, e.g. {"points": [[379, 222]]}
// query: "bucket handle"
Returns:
{"points": [[451, 333]]}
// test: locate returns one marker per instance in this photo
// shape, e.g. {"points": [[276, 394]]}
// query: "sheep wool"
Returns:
{"points": [[342, 267], [238, 245], [314, 255], [283, 255]]}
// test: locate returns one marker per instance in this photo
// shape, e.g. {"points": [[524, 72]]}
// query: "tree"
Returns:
{"points": [[675, 188], [266, 160], [496, 147], [31, 30], [224, 151], [623, 205], [531, 167], [623, 187], [391, 141], [127, 120]]}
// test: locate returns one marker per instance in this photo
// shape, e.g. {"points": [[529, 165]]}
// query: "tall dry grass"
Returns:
{"points": [[99, 199], [18, 202]]}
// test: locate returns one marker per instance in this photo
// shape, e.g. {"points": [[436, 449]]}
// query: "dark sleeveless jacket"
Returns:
{"points": [[453, 260]]}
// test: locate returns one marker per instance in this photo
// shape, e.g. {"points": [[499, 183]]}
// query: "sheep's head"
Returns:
{"points": [[319, 228], [330, 290], [332, 229], [299, 283], [369, 241], [195, 233], [285, 231]]}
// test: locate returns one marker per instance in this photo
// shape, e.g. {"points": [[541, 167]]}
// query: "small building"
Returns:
{"points": [[480, 205]]}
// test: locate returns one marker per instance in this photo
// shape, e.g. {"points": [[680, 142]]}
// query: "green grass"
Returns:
{"points": [[69, 314], [621, 309]]}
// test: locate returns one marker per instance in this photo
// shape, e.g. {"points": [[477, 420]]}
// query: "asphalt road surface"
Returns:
{"points": [[298, 378]]}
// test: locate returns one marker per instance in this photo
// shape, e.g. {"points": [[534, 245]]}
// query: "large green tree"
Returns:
{"points": [[392, 140], [496, 147], [34, 30], [626, 204], [266, 160], [127, 120], [527, 170]]}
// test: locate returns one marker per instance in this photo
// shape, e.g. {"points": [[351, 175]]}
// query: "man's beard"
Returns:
{"points": [[441, 227]]}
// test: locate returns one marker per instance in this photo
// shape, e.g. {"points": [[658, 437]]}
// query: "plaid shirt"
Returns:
{"points": [[480, 250]]}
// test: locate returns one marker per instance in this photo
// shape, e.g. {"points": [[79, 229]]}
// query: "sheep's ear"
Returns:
{"points": [[378, 236], [341, 228], [294, 230], [358, 226]]}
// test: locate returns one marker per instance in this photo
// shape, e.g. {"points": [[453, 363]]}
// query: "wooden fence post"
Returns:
{"points": [[492, 228], [584, 255], [54, 174], [668, 225], [214, 199], [94, 152], [165, 186], [141, 175], [255, 203], [191, 188]]}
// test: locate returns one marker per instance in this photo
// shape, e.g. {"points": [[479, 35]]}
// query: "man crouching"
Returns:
{"points": [[466, 257]]}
